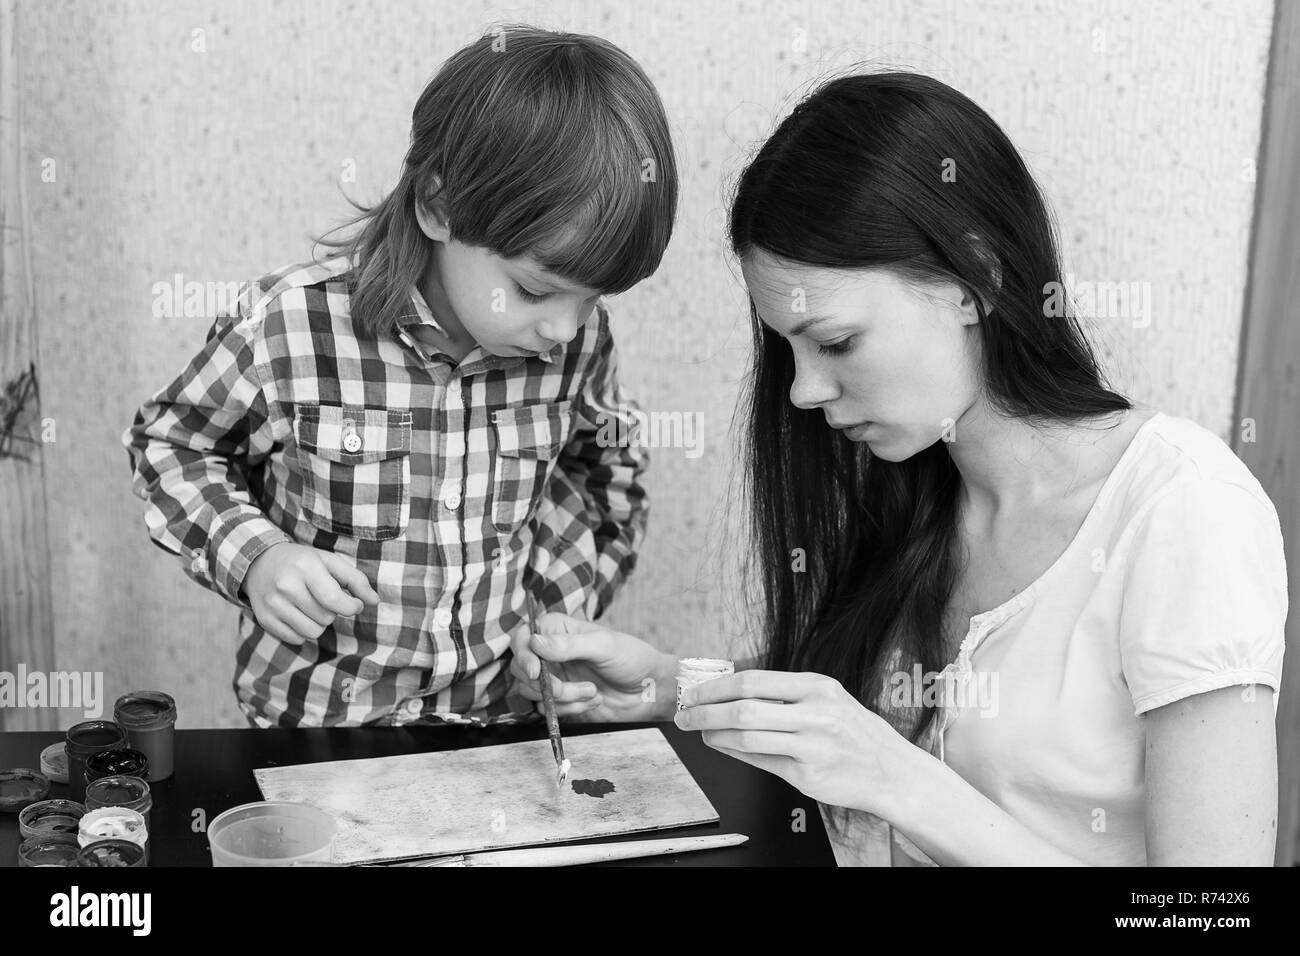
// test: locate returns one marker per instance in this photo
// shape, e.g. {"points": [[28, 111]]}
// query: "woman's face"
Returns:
{"points": [[893, 364]]}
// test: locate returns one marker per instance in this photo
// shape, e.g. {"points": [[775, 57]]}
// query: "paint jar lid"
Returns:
{"points": [[145, 710], [111, 853], [20, 787], [54, 762]]}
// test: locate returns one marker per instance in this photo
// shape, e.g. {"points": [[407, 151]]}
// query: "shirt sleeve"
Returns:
{"points": [[191, 446], [592, 519], [1205, 594]]}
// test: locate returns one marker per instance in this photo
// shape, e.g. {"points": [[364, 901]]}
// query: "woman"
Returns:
{"points": [[1009, 618]]}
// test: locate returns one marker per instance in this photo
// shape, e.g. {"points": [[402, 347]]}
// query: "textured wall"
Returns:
{"points": [[1140, 121]]}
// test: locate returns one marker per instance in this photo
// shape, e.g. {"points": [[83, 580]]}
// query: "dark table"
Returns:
{"points": [[214, 771]]}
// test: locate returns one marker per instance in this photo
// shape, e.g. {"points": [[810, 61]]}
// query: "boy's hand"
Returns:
{"points": [[599, 674], [297, 591], [526, 665]]}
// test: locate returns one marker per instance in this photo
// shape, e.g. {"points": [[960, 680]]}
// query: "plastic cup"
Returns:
{"points": [[272, 834]]}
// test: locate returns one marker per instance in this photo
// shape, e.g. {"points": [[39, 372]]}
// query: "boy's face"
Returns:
{"points": [[507, 306]]}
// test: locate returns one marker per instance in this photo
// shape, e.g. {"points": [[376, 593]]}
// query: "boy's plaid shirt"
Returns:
{"points": [[455, 489]]}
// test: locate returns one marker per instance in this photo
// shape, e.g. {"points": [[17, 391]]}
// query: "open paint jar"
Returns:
{"points": [[57, 849], [22, 787], [120, 791], [272, 834], [54, 762], [697, 670], [114, 823], [112, 853], [149, 718], [84, 739], [50, 818], [116, 763]]}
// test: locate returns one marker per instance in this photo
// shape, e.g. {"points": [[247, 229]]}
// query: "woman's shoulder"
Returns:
{"points": [[1173, 455]]}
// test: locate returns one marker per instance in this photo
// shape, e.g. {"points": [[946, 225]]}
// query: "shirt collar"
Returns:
{"points": [[424, 316]]}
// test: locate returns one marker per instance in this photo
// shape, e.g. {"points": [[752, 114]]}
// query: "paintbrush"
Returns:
{"points": [[577, 855], [548, 705]]}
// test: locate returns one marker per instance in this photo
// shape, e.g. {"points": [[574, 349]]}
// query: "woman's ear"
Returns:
{"points": [[991, 266], [431, 213]]}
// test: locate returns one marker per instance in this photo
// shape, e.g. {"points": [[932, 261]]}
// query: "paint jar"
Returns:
{"points": [[112, 853], [57, 849], [50, 818], [120, 791], [54, 762], [85, 739], [697, 670], [149, 718], [272, 834], [22, 787], [119, 763], [113, 823]]}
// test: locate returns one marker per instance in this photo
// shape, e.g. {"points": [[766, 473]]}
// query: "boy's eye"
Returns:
{"points": [[836, 348], [529, 296]]}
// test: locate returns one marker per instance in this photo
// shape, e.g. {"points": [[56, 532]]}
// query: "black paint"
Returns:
{"points": [[593, 788]]}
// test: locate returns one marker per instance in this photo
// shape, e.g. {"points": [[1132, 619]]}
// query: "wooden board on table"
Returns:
{"points": [[488, 798]]}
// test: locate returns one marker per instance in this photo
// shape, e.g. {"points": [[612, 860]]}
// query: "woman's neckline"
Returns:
{"points": [[1019, 600]]}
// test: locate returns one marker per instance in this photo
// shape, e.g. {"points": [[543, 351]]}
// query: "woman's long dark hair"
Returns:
{"points": [[890, 170]]}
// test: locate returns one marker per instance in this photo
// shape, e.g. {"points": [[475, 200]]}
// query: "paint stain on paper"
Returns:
{"points": [[593, 788]]}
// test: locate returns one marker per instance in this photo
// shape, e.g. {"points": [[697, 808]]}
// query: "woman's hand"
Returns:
{"points": [[598, 674], [808, 730]]}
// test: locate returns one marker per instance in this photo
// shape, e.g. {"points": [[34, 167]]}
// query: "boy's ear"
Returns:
{"points": [[431, 213]]}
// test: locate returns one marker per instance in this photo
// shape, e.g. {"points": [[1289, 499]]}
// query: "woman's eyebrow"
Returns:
{"points": [[808, 323]]}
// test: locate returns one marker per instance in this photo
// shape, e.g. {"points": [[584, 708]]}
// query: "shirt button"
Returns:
{"points": [[414, 706], [454, 388], [452, 500], [352, 443], [442, 617]]}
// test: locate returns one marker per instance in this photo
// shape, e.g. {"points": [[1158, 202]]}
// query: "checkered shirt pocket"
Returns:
{"points": [[356, 469]]}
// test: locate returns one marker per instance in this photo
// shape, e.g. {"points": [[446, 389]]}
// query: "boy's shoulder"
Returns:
{"points": [[257, 296]]}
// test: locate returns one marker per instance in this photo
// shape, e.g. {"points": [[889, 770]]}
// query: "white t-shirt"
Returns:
{"points": [[1174, 585]]}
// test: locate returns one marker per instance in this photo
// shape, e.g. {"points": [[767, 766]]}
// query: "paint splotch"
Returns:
{"points": [[593, 788]]}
